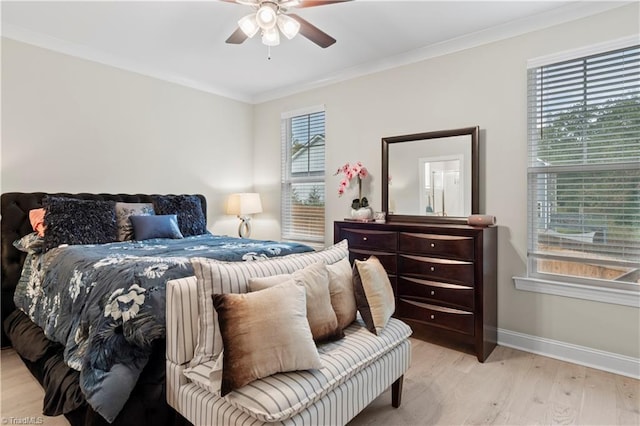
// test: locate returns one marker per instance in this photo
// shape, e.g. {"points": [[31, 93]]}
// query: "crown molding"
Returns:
{"points": [[514, 28], [24, 35]]}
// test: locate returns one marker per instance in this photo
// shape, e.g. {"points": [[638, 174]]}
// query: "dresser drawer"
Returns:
{"points": [[371, 239], [388, 260], [444, 276], [449, 246], [452, 294], [453, 271], [438, 316]]}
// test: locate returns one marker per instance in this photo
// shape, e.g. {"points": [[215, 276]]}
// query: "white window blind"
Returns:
{"points": [[303, 176], [584, 170]]}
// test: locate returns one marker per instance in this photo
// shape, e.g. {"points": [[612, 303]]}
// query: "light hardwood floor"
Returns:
{"points": [[443, 387]]}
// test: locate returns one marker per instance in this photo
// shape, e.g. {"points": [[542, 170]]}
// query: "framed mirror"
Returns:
{"points": [[431, 176]]}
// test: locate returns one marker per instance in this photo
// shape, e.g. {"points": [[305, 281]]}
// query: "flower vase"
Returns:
{"points": [[363, 213]]}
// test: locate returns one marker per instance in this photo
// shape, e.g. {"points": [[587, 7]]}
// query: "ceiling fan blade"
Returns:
{"points": [[313, 3], [237, 37], [313, 33], [243, 2]]}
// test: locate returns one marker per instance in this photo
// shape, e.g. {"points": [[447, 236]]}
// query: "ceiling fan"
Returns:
{"points": [[271, 15]]}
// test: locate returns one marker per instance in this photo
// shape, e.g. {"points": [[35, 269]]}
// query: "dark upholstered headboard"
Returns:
{"points": [[14, 210]]}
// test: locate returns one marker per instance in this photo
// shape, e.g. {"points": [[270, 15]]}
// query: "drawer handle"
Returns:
{"points": [[364, 238], [433, 316], [433, 292], [433, 268], [433, 245]]}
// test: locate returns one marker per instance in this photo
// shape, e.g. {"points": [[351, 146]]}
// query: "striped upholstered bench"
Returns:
{"points": [[355, 370]]}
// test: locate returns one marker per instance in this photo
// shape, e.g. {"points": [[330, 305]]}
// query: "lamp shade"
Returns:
{"points": [[266, 16], [271, 37], [249, 25], [244, 203], [289, 26]]}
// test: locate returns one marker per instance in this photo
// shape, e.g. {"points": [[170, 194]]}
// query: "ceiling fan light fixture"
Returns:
{"points": [[267, 16], [272, 17], [271, 37], [289, 26], [249, 25]]}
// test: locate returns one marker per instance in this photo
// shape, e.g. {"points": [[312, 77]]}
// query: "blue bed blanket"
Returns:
{"points": [[106, 303]]}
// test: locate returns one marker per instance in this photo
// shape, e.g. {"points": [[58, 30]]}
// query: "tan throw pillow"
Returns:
{"points": [[264, 333], [374, 294], [315, 279], [214, 276], [343, 298]]}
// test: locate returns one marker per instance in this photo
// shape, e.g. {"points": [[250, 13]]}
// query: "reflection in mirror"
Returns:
{"points": [[442, 193], [431, 176]]}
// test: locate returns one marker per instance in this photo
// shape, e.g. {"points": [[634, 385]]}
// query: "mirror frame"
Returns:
{"points": [[474, 132]]}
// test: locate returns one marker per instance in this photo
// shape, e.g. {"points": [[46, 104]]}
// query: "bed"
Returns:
{"points": [[90, 318]]}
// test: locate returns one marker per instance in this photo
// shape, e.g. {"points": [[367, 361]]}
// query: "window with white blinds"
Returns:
{"points": [[303, 175], [584, 170]]}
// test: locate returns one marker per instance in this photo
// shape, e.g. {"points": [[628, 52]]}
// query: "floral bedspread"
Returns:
{"points": [[106, 303]]}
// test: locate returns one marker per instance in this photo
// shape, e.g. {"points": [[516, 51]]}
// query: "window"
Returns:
{"points": [[303, 174], [584, 171]]}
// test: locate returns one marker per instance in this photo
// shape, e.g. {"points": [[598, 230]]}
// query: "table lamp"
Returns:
{"points": [[242, 205]]}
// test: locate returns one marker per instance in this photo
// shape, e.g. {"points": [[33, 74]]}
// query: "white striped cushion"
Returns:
{"points": [[182, 319], [232, 277], [175, 380], [200, 375], [283, 395], [337, 407]]}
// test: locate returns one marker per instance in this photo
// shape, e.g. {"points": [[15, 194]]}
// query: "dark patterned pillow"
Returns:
{"points": [[73, 221], [188, 208]]}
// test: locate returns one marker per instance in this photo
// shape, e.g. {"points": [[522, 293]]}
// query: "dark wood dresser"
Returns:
{"points": [[443, 276]]}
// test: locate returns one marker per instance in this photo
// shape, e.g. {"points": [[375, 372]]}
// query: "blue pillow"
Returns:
{"points": [[158, 226]]}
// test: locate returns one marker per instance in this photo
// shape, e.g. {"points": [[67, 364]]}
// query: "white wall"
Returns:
{"points": [[483, 86], [72, 125]]}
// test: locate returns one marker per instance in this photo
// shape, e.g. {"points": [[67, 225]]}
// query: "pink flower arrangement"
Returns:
{"points": [[350, 171]]}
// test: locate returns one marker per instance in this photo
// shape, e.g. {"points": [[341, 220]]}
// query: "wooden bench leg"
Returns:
{"points": [[396, 392]]}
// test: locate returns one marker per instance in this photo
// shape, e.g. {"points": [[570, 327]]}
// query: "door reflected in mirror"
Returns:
{"points": [[442, 193], [431, 176]]}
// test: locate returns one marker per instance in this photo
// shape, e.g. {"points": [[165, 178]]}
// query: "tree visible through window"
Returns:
{"points": [[584, 169], [303, 174]]}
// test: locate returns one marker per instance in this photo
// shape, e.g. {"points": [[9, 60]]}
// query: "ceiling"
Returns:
{"points": [[184, 41]]}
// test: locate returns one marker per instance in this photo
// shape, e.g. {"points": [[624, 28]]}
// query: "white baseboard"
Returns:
{"points": [[582, 355]]}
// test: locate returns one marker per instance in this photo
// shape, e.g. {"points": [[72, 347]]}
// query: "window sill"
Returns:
{"points": [[578, 291]]}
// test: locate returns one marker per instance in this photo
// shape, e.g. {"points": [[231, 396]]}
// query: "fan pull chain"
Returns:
{"points": [[269, 53]]}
